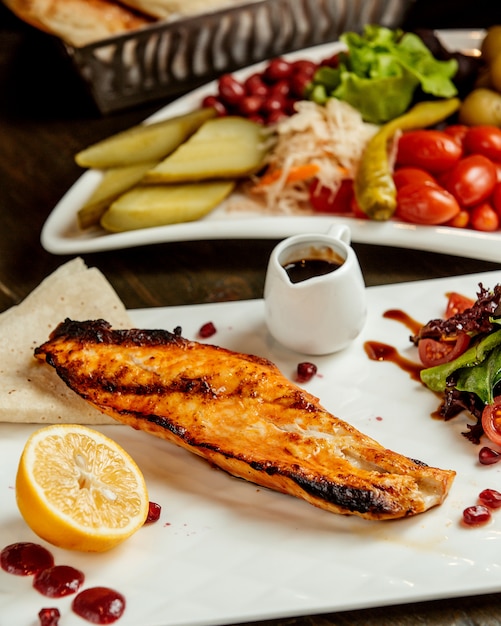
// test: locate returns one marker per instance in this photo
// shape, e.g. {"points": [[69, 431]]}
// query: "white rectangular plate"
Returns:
{"points": [[61, 235], [227, 551]]}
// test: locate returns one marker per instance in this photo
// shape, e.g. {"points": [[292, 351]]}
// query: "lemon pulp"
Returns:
{"points": [[78, 489]]}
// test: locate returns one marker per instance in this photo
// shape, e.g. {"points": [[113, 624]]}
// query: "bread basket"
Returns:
{"points": [[171, 58]]}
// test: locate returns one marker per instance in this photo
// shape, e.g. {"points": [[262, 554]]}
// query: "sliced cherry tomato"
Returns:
{"points": [[457, 132], [425, 204], [324, 201], [484, 140], [431, 150], [472, 180], [457, 303], [405, 175], [432, 352], [484, 218], [491, 421]]}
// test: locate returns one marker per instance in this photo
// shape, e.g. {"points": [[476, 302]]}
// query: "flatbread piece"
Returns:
{"points": [[29, 392]]}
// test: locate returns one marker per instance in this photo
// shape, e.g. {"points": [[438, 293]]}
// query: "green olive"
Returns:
{"points": [[481, 107], [491, 45], [495, 72]]}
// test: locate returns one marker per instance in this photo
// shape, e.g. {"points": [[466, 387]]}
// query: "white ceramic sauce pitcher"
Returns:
{"points": [[322, 314]]}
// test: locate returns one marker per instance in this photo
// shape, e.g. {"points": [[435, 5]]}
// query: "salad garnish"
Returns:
{"points": [[462, 358], [382, 60]]}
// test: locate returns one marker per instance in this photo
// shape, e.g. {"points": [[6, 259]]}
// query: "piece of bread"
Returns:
{"points": [[172, 9], [28, 394], [78, 22]]}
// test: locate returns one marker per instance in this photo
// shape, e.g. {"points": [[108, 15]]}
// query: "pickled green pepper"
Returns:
{"points": [[374, 187]]}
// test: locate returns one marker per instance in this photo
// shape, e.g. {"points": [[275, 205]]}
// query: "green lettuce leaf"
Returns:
{"points": [[435, 378], [482, 378], [380, 72]]}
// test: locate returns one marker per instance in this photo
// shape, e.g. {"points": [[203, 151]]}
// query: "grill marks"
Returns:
{"points": [[242, 415]]}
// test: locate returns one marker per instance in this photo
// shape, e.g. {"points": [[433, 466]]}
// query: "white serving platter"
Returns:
{"points": [[225, 551], [61, 235]]}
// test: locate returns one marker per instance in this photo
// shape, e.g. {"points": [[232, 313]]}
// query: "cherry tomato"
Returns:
{"points": [[425, 204], [405, 175], [431, 150], [484, 218], [461, 220], [432, 352], [457, 303], [324, 201], [491, 421], [457, 132], [472, 180], [484, 140], [496, 198]]}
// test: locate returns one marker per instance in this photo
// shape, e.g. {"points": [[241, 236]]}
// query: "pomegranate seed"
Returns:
{"points": [[491, 498], [49, 617], [207, 330], [154, 510], [488, 456], [477, 514], [305, 372]]}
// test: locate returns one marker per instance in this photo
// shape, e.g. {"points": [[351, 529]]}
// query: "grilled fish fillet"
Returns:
{"points": [[241, 414]]}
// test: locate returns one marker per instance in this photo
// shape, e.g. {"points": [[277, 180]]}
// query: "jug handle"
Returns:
{"points": [[340, 231]]}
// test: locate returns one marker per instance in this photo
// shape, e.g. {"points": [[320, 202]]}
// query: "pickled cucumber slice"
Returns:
{"points": [[157, 205], [224, 147], [146, 142], [115, 182]]}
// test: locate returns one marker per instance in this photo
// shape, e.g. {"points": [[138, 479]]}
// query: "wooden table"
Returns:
{"points": [[45, 117]]}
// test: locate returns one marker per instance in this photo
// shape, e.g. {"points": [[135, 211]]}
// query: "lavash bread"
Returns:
{"points": [[29, 391], [78, 22]]}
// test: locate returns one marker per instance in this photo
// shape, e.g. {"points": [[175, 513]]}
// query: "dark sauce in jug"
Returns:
{"points": [[301, 270]]}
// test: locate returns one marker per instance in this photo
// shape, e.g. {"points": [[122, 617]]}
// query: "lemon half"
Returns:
{"points": [[78, 489]]}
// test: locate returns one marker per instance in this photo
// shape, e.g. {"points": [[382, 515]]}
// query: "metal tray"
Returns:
{"points": [[170, 58]]}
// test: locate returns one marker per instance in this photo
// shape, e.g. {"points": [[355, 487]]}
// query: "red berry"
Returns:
{"points": [[154, 511], [490, 498], [207, 330], [49, 617], [488, 456], [475, 515], [305, 372]]}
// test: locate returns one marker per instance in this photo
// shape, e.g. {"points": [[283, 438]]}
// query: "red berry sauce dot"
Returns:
{"points": [[207, 330], [490, 498], [154, 511], [476, 515], [305, 372], [49, 617], [99, 605], [25, 558], [58, 581]]}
